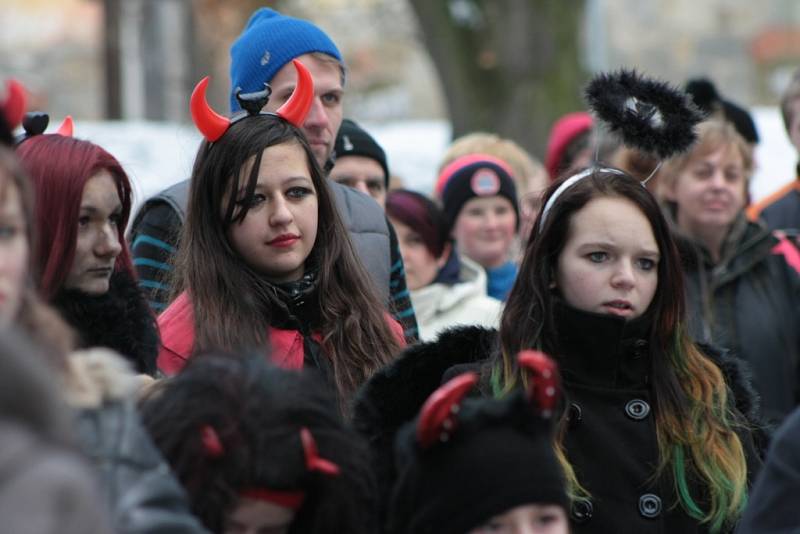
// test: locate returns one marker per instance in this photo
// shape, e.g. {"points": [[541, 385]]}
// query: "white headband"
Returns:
{"points": [[569, 182]]}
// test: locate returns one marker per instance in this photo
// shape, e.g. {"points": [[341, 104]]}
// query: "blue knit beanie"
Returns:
{"points": [[269, 41]]}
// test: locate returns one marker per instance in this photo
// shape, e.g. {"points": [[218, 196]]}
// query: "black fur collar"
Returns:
{"points": [[120, 320]]}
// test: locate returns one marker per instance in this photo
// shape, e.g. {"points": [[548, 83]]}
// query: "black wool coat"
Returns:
{"points": [[749, 302], [611, 437]]}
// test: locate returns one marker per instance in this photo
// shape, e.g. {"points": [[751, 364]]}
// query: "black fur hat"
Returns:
{"points": [[707, 98]]}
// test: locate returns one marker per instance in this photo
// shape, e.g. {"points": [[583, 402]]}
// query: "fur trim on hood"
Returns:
{"points": [[100, 375], [120, 320], [395, 394]]}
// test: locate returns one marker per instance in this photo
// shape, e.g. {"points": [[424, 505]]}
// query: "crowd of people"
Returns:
{"points": [[285, 342]]}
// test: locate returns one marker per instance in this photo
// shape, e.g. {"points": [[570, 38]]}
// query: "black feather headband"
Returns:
{"points": [[648, 115]]}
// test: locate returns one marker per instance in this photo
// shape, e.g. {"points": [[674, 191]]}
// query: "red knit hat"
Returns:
{"points": [[563, 132]]}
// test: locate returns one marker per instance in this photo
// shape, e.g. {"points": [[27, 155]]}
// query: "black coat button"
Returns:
{"points": [[639, 348], [574, 415], [637, 409], [650, 505], [581, 510]]}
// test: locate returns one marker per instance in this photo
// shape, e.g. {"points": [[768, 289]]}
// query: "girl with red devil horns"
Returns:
{"points": [[260, 449], [265, 257]]}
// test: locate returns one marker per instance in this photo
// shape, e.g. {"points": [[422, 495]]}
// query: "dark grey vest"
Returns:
{"points": [[361, 215]]}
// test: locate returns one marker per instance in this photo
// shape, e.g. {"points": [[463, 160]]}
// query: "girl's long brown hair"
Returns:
{"points": [[695, 420], [232, 303]]}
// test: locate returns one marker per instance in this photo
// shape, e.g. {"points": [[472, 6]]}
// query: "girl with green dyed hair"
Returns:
{"points": [[651, 438], [656, 433]]}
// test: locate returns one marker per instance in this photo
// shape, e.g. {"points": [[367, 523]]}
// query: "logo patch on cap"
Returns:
{"points": [[347, 144], [265, 58], [485, 182]]}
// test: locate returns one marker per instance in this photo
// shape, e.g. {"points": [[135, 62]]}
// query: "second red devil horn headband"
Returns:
{"points": [[438, 417], [213, 125], [544, 386]]}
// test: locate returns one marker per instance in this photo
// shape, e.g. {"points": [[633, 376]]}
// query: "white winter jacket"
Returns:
{"points": [[439, 306]]}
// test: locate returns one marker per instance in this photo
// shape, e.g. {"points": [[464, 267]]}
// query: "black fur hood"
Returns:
{"points": [[120, 320], [394, 395]]}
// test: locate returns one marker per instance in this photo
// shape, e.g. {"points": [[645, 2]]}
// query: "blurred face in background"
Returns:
{"points": [[325, 116], [420, 264], [527, 519], [14, 251], [530, 205], [361, 173], [98, 243], [710, 190], [256, 516], [484, 230]]}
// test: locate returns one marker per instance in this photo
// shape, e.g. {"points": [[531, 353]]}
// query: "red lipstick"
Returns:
{"points": [[284, 240]]}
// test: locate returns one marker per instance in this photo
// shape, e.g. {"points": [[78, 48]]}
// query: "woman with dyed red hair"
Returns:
{"points": [[83, 267]]}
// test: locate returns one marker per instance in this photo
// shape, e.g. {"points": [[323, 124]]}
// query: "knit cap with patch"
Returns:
{"points": [[269, 41], [353, 140], [475, 175]]}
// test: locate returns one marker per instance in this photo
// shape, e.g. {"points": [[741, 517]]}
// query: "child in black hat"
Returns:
{"points": [[475, 466]]}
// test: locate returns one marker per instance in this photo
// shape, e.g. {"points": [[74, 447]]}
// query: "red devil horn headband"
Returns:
{"points": [[313, 461], [437, 421], [213, 125], [296, 108], [543, 388], [14, 105], [212, 445], [66, 127], [35, 123]]}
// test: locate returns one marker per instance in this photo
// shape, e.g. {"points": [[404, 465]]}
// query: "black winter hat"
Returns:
{"points": [[475, 175], [498, 455], [353, 140], [707, 98]]}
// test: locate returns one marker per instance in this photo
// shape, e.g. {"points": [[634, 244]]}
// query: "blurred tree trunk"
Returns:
{"points": [[111, 59], [506, 66]]}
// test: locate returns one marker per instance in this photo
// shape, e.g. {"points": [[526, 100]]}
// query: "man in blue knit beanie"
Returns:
{"points": [[262, 54]]}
